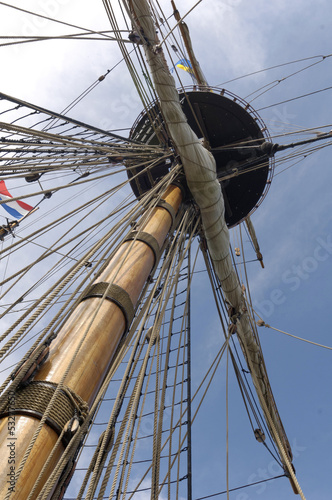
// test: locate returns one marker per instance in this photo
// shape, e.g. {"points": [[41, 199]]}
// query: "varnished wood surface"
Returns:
{"points": [[14, 447], [129, 269], [96, 336]]}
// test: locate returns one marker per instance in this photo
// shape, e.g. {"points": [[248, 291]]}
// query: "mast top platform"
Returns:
{"points": [[233, 132]]}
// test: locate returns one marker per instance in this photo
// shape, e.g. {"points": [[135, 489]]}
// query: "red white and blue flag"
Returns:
{"points": [[17, 209]]}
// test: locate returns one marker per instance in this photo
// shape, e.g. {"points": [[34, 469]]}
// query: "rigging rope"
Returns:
{"points": [[51, 19], [295, 98], [262, 323], [241, 487], [274, 67]]}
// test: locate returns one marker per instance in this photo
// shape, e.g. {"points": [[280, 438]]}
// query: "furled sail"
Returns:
{"points": [[200, 171]]}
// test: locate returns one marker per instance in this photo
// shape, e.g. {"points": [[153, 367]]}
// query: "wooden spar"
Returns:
{"points": [[129, 269], [187, 42], [200, 171], [252, 234]]}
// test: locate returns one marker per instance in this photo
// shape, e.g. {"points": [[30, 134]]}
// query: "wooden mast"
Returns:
{"points": [[128, 271], [187, 42]]}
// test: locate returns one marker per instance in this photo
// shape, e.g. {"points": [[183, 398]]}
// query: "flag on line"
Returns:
{"points": [[17, 209], [185, 65]]}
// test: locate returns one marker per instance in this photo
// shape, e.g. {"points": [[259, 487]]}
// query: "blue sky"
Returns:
{"points": [[294, 224]]}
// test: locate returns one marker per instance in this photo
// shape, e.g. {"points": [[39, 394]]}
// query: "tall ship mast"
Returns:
{"points": [[111, 241]]}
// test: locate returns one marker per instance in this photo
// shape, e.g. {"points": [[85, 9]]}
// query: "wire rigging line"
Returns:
{"points": [[75, 36], [262, 323], [244, 392], [90, 88], [323, 57], [40, 109], [295, 98], [180, 21], [54, 20], [241, 487], [275, 83]]}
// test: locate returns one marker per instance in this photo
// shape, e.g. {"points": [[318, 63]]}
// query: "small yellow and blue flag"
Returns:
{"points": [[185, 65]]}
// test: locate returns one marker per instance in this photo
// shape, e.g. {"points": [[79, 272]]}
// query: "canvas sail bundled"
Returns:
{"points": [[200, 170]]}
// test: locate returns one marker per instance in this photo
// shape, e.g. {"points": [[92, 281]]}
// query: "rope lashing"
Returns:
{"points": [[34, 362], [65, 414]]}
